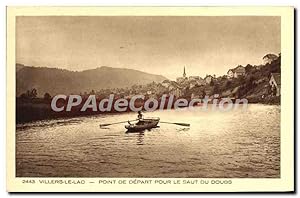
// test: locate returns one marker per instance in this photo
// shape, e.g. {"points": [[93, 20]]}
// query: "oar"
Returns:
{"points": [[177, 123], [104, 125]]}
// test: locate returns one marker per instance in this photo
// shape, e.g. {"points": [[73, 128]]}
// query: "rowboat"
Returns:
{"points": [[142, 124]]}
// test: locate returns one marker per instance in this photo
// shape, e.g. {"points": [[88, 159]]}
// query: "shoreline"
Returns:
{"points": [[39, 110]]}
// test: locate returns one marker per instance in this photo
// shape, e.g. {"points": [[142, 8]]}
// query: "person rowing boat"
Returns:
{"points": [[143, 123], [140, 115]]}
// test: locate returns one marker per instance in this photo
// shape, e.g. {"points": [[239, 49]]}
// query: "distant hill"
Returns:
{"points": [[61, 81]]}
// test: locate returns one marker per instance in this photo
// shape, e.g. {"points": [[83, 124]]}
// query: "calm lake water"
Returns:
{"points": [[236, 144]]}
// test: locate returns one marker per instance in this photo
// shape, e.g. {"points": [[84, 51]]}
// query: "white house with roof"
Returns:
{"points": [[230, 73], [236, 72], [275, 83], [208, 79], [239, 71]]}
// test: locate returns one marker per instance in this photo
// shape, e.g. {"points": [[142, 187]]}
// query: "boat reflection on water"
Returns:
{"points": [[140, 138], [140, 135]]}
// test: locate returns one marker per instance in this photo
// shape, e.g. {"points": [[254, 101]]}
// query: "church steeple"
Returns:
{"points": [[184, 74]]}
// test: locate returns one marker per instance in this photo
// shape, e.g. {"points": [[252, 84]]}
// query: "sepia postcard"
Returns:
{"points": [[150, 99]]}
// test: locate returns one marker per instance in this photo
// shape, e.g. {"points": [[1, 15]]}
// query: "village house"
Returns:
{"points": [[275, 83], [190, 81], [230, 73], [193, 83], [208, 79], [239, 71], [166, 83], [269, 58], [194, 78], [177, 92], [175, 89], [236, 72], [180, 79], [194, 96], [197, 92], [160, 89], [201, 81]]}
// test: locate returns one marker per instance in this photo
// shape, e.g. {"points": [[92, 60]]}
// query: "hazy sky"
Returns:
{"points": [[158, 45]]}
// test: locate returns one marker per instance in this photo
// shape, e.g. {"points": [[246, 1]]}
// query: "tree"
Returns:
{"points": [[216, 89], [47, 96], [241, 80], [228, 84], [203, 93], [248, 68], [29, 94], [33, 93], [93, 92], [249, 85], [23, 96]]}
